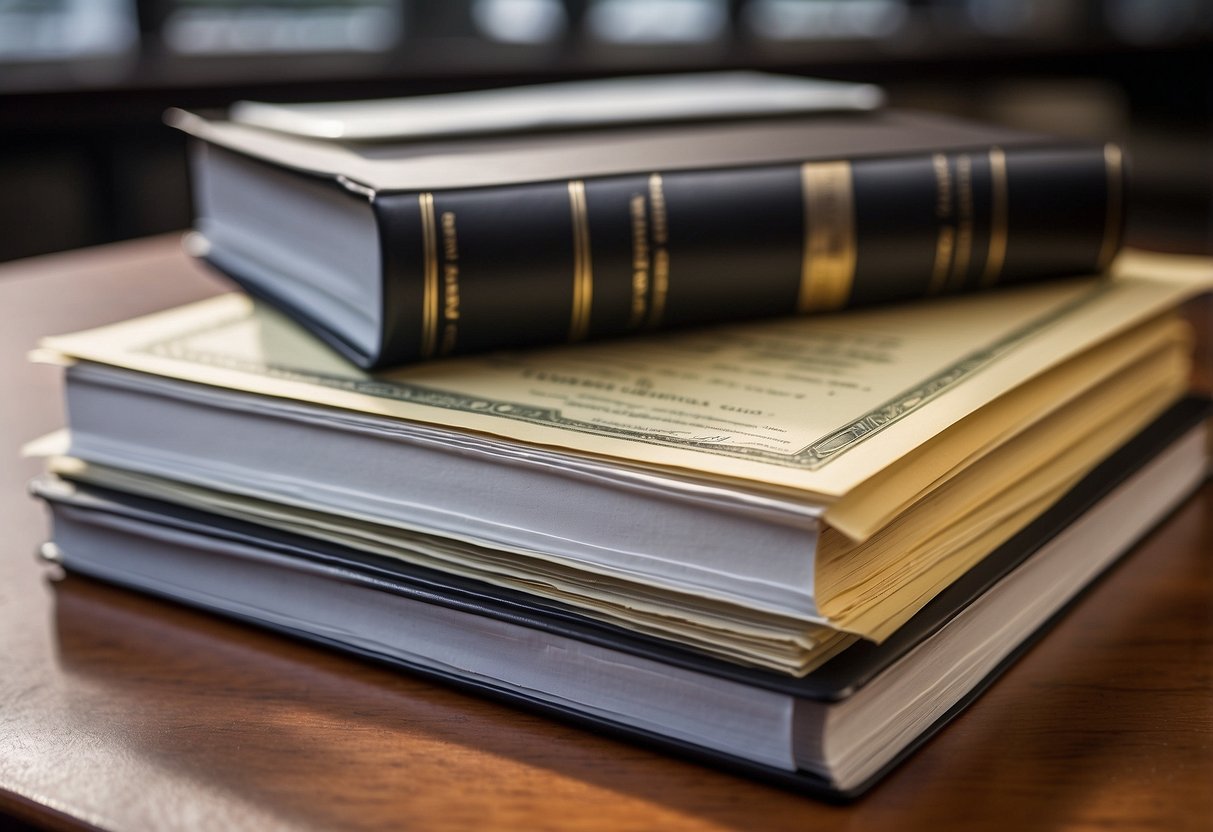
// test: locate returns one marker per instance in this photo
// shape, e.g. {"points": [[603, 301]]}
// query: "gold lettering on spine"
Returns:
{"points": [[964, 220], [583, 277], [827, 268], [429, 297], [661, 254], [640, 260], [946, 243], [1114, 164], [997, 251], [450, 283]]}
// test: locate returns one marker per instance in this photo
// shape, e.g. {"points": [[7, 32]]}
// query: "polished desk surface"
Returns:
{"points": [[122, 712]]}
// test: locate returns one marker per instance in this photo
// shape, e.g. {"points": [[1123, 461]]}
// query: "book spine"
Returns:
{"points": [[487, 268]]}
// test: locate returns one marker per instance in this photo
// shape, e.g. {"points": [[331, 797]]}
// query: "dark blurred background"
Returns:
{"points": [[84, 158]]}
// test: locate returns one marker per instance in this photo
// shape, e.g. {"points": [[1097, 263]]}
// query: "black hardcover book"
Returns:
{"points": [[395, 250], [832, 734]]}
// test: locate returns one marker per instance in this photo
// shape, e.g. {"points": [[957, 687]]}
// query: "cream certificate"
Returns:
{"points": [[816, 404]]}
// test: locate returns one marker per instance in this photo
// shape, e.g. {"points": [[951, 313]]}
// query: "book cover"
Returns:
{"points": [[396, 251]]}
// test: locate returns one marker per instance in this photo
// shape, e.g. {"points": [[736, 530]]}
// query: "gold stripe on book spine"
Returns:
{"points": [[944, 212], [661, 251], [1113, 164], [429, 300], [583, 276], [997, 251], [944, 246], [828, 265], [964, 222]]}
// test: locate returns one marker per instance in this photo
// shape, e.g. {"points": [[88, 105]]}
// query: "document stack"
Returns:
{"points": [[793, 548]]}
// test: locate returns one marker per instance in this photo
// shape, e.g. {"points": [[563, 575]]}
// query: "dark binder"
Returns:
{"points": [[563, 237], [838, 679]]}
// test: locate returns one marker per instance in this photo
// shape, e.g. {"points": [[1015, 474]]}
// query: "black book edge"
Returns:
{"points": [[861, 662], [331, 337]]}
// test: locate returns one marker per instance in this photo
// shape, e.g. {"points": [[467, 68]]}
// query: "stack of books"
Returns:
{"points": [[791, 547]]}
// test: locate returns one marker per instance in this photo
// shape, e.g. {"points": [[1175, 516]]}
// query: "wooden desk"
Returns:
{"points": [[123, 712]]}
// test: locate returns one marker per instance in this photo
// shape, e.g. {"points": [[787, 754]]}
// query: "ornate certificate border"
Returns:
{"points": [[813, 456]]}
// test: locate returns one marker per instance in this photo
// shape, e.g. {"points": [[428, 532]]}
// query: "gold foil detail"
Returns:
{"points": [[661, 285], [828, 267], [640, 260], [944, 246], [583, 277], [996, 253], [943, 186], [1114, 164], [661, 254], [429, 298], [946, 243], [450, 283], [964, 221]]}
